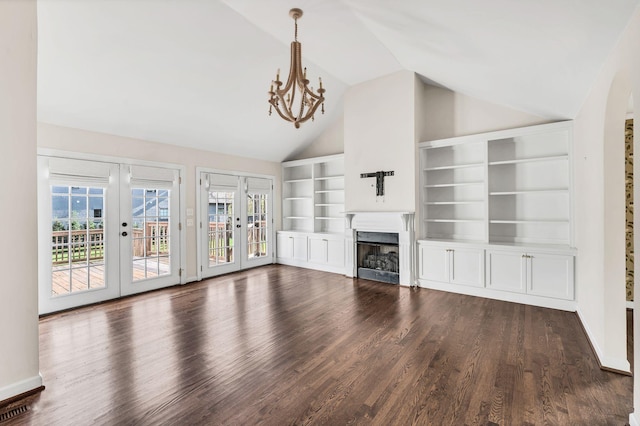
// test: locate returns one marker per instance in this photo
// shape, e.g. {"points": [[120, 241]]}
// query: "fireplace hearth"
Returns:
{"points": [[378, 257]]}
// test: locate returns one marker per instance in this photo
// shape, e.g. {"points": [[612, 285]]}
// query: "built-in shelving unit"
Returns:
{"points": [[454, 193], [529, 188], [297, 199], [313, 195], [313, 214], [497, 215], [511, 186]]}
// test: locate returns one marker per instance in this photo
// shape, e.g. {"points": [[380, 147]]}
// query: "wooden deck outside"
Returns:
{"points": [[93, 277]]}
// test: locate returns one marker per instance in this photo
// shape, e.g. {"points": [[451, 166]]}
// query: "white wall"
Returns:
{"points": [[18, 254], [330, 142], [599, 200], [448, 114], [82, 141], [379, 135], [440, 113]]}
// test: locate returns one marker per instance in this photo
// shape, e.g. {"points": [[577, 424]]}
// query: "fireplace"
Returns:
{"points": [[383, 246], [377, 256]]}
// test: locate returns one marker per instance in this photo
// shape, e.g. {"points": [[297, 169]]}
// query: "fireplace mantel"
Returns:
{"points": [[400, 222], [380, 218]]}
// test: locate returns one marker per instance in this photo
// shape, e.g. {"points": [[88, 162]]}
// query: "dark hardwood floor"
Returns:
{"points": [[281, 345]]}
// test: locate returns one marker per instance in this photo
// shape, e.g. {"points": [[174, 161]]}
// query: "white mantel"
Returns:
{"points": [[391, 221]]}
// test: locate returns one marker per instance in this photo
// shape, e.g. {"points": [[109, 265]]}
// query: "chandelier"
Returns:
{"points": [[296, 102]]}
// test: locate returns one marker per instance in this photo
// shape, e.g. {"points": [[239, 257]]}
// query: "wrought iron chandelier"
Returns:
{"points": [[296, 102]]}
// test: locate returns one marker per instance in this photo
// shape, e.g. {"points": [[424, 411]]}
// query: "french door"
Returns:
{"points": [[236, 223], [104, 230]]}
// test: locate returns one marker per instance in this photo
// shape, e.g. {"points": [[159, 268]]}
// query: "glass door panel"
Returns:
{"points": [[257, 225], [220, 228], [150, 233], [77, 239]]}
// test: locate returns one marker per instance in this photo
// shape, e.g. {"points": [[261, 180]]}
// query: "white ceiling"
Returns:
{"points": [[196, 73]]}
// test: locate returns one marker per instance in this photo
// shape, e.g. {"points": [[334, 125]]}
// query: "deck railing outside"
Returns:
{"points": [[84, 245]]}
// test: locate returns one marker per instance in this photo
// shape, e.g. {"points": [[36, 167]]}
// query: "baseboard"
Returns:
{"points": [[634, 420], [505, 296], [614, 365], [308, 265], [20, 387], [630, 305]]}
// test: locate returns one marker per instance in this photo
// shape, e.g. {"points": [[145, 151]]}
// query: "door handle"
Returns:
{"points": [[124, 233], [238, 226]]}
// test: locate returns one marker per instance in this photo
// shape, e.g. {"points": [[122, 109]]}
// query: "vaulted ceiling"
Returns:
{"points": [[195, 73]]}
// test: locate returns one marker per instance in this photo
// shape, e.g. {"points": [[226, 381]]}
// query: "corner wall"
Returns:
{"points": [[82, 141], [599, 176], [599, 201], [19, 362]]}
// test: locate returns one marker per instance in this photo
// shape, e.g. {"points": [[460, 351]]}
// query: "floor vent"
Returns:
{"points": [[16, 411]]}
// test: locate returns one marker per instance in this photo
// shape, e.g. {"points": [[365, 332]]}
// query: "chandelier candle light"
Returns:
{"points": [[285, 100]]}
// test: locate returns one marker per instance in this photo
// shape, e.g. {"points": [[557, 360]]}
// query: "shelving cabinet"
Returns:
{"points": [[454, 189], [529, 188], [509, 194], [313, 208]]}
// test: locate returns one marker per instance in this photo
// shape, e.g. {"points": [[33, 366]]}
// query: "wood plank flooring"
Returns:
{"points": [[280, 345]]}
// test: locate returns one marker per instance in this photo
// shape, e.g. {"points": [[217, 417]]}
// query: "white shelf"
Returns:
{"points": [[447, 185], [329, 205], [453, 167], [299, 217], [529, 160], [532, 191], [447, 203], [329, 177], [329, 191], [455, 220], [530, 222], [329, 218], [298, 180], [297, 198]]}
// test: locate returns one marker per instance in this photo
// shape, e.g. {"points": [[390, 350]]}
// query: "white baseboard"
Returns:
{"points": [[308, 265], [607, 362], [20, 387], [506, 296], [630, 305], [634, 420]]}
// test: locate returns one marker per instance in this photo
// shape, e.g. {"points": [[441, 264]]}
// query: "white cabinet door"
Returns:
{"points": [[317, 250], [434, 263], [335, 255], [299, 247], [284, 246], [467, 266], [550, 275], [506, 271]]}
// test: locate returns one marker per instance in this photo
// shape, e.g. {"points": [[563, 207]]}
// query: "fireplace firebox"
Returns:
{"points": [[378, 256]]}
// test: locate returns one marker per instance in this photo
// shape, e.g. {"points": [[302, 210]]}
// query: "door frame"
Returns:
{"points": [[182, 252], [199, 219]]}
